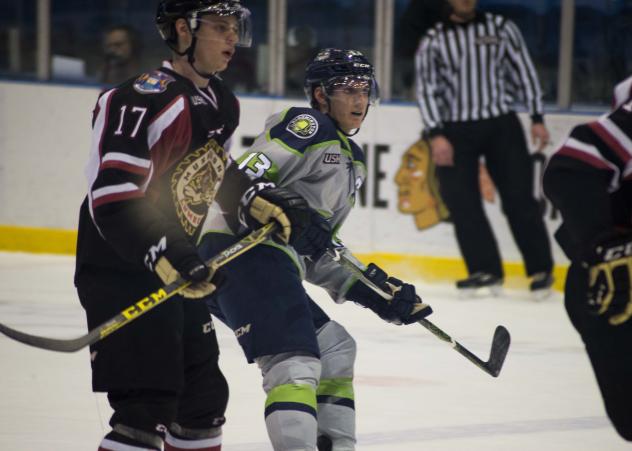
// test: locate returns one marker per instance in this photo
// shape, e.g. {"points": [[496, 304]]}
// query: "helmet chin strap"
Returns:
{"points": [[191, 60], [349, 135], [189, 52]]}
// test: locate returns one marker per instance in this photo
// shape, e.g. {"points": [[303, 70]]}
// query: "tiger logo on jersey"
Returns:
{"points": [[303, 126], [195, 182]]}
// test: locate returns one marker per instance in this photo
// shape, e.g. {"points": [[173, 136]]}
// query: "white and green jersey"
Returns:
{"points": [[302, 149]]}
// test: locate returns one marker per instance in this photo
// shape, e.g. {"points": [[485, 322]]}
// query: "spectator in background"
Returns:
{"points": [[302, 46], [466, 69], [121, 51]]}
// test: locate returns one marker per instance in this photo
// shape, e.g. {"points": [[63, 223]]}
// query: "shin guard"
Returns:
{"points": [[290, 382], [336, 402]]}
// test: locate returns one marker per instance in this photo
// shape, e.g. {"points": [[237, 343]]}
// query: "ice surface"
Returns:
{"points": [[412, 391]]}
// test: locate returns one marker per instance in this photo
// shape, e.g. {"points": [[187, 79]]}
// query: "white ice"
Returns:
{"points": [[413, 392]]}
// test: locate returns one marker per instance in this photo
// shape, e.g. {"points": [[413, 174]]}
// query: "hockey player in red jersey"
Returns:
{"points": [[589, 179], [159, 155]]}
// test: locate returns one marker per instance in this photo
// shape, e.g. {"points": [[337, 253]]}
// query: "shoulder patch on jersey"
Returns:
{"points": [[153, 82], [303, 126]]}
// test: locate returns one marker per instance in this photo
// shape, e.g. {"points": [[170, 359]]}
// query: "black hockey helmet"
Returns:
{"points": [[171, 10], [335, 67]]}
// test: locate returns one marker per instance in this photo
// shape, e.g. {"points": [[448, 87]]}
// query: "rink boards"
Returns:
{"points": [[45, 142]]}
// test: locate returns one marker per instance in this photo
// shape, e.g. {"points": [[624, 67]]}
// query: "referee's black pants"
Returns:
{"points": [[502, 142]]}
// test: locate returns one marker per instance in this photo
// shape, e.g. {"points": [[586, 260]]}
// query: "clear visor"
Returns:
{"points": [[223, 22], [354, 85]]}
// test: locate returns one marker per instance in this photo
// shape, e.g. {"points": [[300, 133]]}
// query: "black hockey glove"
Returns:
{"points": [[405, 307], [301, 226], [180, 259], [609, 264]]}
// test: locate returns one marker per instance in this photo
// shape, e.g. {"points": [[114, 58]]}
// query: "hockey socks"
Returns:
{"points": [[174, 442], [336, 415], [290, 382], [118, 442], [291, 417], [335, 396]]}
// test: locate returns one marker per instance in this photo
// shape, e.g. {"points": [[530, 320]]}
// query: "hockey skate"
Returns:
{"points": [[540, 285], [479, 282]]}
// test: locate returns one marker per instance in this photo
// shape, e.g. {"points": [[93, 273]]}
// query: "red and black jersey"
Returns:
{"points": [[589, 178], [157, 159]]}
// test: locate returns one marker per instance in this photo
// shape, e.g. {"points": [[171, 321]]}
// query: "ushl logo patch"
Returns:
{"points": [[198, 100], [331, 158]]}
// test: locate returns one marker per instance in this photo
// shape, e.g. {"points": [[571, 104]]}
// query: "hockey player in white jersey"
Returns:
{"points": [[305, 358]]}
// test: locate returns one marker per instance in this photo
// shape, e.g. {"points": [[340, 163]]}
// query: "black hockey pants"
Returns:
{"points": [[608, 348]]}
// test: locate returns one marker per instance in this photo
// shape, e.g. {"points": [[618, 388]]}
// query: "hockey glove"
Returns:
{"points": [[609, 264], [301, 226], [405, 307], [181, 260]]}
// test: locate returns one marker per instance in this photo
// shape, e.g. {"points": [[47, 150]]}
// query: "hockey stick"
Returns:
{"points": [[500, 341], [141, 307]]}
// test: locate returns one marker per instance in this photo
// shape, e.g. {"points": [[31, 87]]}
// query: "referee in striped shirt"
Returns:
{"points": [[470, 69]]}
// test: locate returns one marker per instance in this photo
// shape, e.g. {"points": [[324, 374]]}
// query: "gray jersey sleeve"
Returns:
{"points": [[331, 276]]}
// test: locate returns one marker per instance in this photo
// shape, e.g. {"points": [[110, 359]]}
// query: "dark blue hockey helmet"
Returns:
{"points": [[192, 10], [336, 67]]}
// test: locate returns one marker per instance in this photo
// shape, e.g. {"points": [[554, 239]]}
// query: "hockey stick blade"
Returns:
{"points": [[142, 306], [497, 354], [500, 341], [500, 348]]}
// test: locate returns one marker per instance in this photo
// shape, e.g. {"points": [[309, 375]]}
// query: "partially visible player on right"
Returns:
{"points": [[589, 179]]}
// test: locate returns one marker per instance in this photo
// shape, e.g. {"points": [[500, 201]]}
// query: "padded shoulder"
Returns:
{"points": [[153, 90], [300, 128], [154, 82]]}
